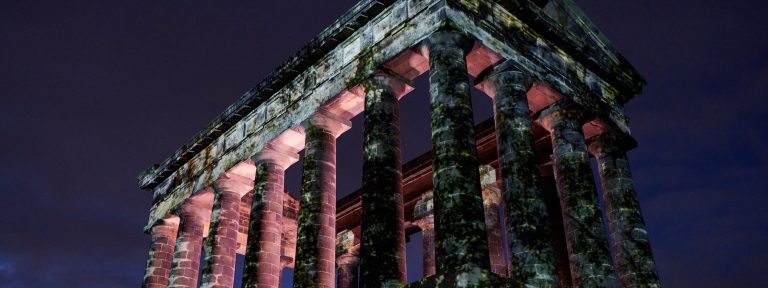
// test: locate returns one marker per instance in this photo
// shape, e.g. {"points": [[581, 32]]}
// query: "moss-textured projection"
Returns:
{"points": [[461, 245], [531, 252], [587, 242], [251, 267], [382, 246], [629, 238], [315, 246]]}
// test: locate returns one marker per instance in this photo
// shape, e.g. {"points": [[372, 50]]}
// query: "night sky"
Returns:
{"points": [[93, 92]]}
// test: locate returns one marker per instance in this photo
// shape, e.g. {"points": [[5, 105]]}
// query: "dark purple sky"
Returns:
{"points": [[92, 93]]}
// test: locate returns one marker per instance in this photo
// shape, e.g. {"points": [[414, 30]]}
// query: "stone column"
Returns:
{"points": [[189, 243], [161, 252], [629, 238], [382, 246], [530, 246], [347, 260], [492, 203], [461, 244], [316, 247], [589, 257], [221, 243], [426, 221], [262, 257]]}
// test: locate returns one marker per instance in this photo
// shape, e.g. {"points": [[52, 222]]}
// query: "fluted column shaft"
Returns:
{"points": [[629, 237], [316, 244], [587, 242], [221, 243], [161, 253], [461, 245], [189, 243], [262, 257], [382, 246], [530, 246]]}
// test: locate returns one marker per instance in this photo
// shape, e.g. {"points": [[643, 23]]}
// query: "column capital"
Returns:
{"points": [[230, 182], [425, 206], [274, 154], [610, 142], [449, 38], [504, 73], [390, 82], [333, 124], [168, 221], [197, 206], [559, 113]]}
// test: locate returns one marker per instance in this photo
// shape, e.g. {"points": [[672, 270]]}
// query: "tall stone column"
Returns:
{"points": [[461, 244], [425, 219], [587, 242], [161, 253], [263, 250], [189, 243], [221, 243], [492, 202], [382, 246], [316, 244], [532, 254], [629, 237]]}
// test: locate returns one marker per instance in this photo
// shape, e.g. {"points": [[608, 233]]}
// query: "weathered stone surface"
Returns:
{"points": [[189, 242], [161, 253], [551, 41], [262, 258], [629, 237], [590, 258], [369, 35], [530, 247], [316, 244], [382, 246], [221, 243], [461, 245]]}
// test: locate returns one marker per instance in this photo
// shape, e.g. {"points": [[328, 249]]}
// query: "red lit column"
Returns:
{"points": [[221, 244], [161, 253], [426, 221], [316, 243], [262, 258], [492, 203], [189, 243]]}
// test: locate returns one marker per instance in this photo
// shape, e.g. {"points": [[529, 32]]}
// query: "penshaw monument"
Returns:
{"points": [[511, 202]]}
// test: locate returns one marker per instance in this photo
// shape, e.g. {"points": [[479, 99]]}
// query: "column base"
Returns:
{"points": [[464, 280]]}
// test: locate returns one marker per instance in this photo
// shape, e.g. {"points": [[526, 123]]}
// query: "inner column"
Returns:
{"points": [[629, 238], [532, 254], [585, 237], [316, 243], [461, 244], [382, 245]]}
